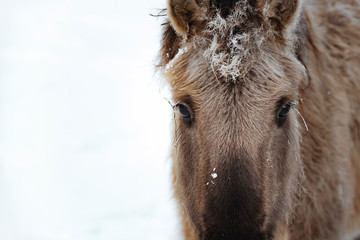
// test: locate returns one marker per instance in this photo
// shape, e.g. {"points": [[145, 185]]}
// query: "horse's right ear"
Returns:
{"points": [[282, 13], [183, 14]]}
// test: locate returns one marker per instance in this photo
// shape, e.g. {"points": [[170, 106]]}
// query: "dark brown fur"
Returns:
{"points": [[273, 180]]}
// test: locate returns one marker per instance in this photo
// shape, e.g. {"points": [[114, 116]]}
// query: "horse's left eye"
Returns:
{"points": [[282, 114], [184, 112]]}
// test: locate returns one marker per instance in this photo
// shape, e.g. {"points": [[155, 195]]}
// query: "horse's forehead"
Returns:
{"points": [[210, 92], [199, 73]]}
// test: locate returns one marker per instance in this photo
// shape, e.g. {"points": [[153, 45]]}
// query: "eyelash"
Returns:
{"points": [[283, 112]]}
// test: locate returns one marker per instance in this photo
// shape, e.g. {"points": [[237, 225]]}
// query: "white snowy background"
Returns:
{"points": [[84, 128]]}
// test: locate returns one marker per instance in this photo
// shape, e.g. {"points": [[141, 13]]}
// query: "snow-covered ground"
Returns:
{"points": [[84, 128]]}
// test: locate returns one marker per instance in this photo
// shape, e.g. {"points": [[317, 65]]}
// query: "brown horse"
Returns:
{"points": [[267, 117]]}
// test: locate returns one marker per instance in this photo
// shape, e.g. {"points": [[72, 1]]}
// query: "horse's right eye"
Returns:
{"points": [[282, 114], [184, 112]]}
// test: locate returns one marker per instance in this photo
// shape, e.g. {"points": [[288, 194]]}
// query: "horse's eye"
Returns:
{"points": [[282, 114], [184, 112]]}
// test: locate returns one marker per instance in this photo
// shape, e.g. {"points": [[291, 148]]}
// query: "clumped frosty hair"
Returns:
{"points": [[233, 41]]}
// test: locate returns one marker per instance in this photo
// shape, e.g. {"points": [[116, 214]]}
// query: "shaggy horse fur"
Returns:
{"points": [[267, 117]]}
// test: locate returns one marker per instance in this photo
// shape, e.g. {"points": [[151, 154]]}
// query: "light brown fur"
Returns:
{"points": [[234, 65]]}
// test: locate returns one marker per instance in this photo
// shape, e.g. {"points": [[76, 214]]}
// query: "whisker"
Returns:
{"points": [[293, 105], [177, 135], [172, 106], [177, 141], [157, 15], [161, 13]]}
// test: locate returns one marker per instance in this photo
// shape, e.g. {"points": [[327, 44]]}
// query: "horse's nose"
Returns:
{"points": [[235, 189]]}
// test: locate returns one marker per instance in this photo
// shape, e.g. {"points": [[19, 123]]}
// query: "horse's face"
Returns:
{"points": [[237, 132]]}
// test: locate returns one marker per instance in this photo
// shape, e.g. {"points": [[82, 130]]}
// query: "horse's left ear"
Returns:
{"points": [[183, 14], [282, 13]]}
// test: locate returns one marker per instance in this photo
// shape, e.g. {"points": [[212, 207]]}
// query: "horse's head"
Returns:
{"points": [[236, 82]]}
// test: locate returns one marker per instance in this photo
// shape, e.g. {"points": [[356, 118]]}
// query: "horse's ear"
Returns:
{"points": [[281, 13], [183, 14]]}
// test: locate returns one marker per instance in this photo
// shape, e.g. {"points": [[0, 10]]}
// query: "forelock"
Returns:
{"points": [[235, 41]]}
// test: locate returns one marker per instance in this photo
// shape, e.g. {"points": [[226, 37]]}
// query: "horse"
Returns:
{"points": [[266, 100]]}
